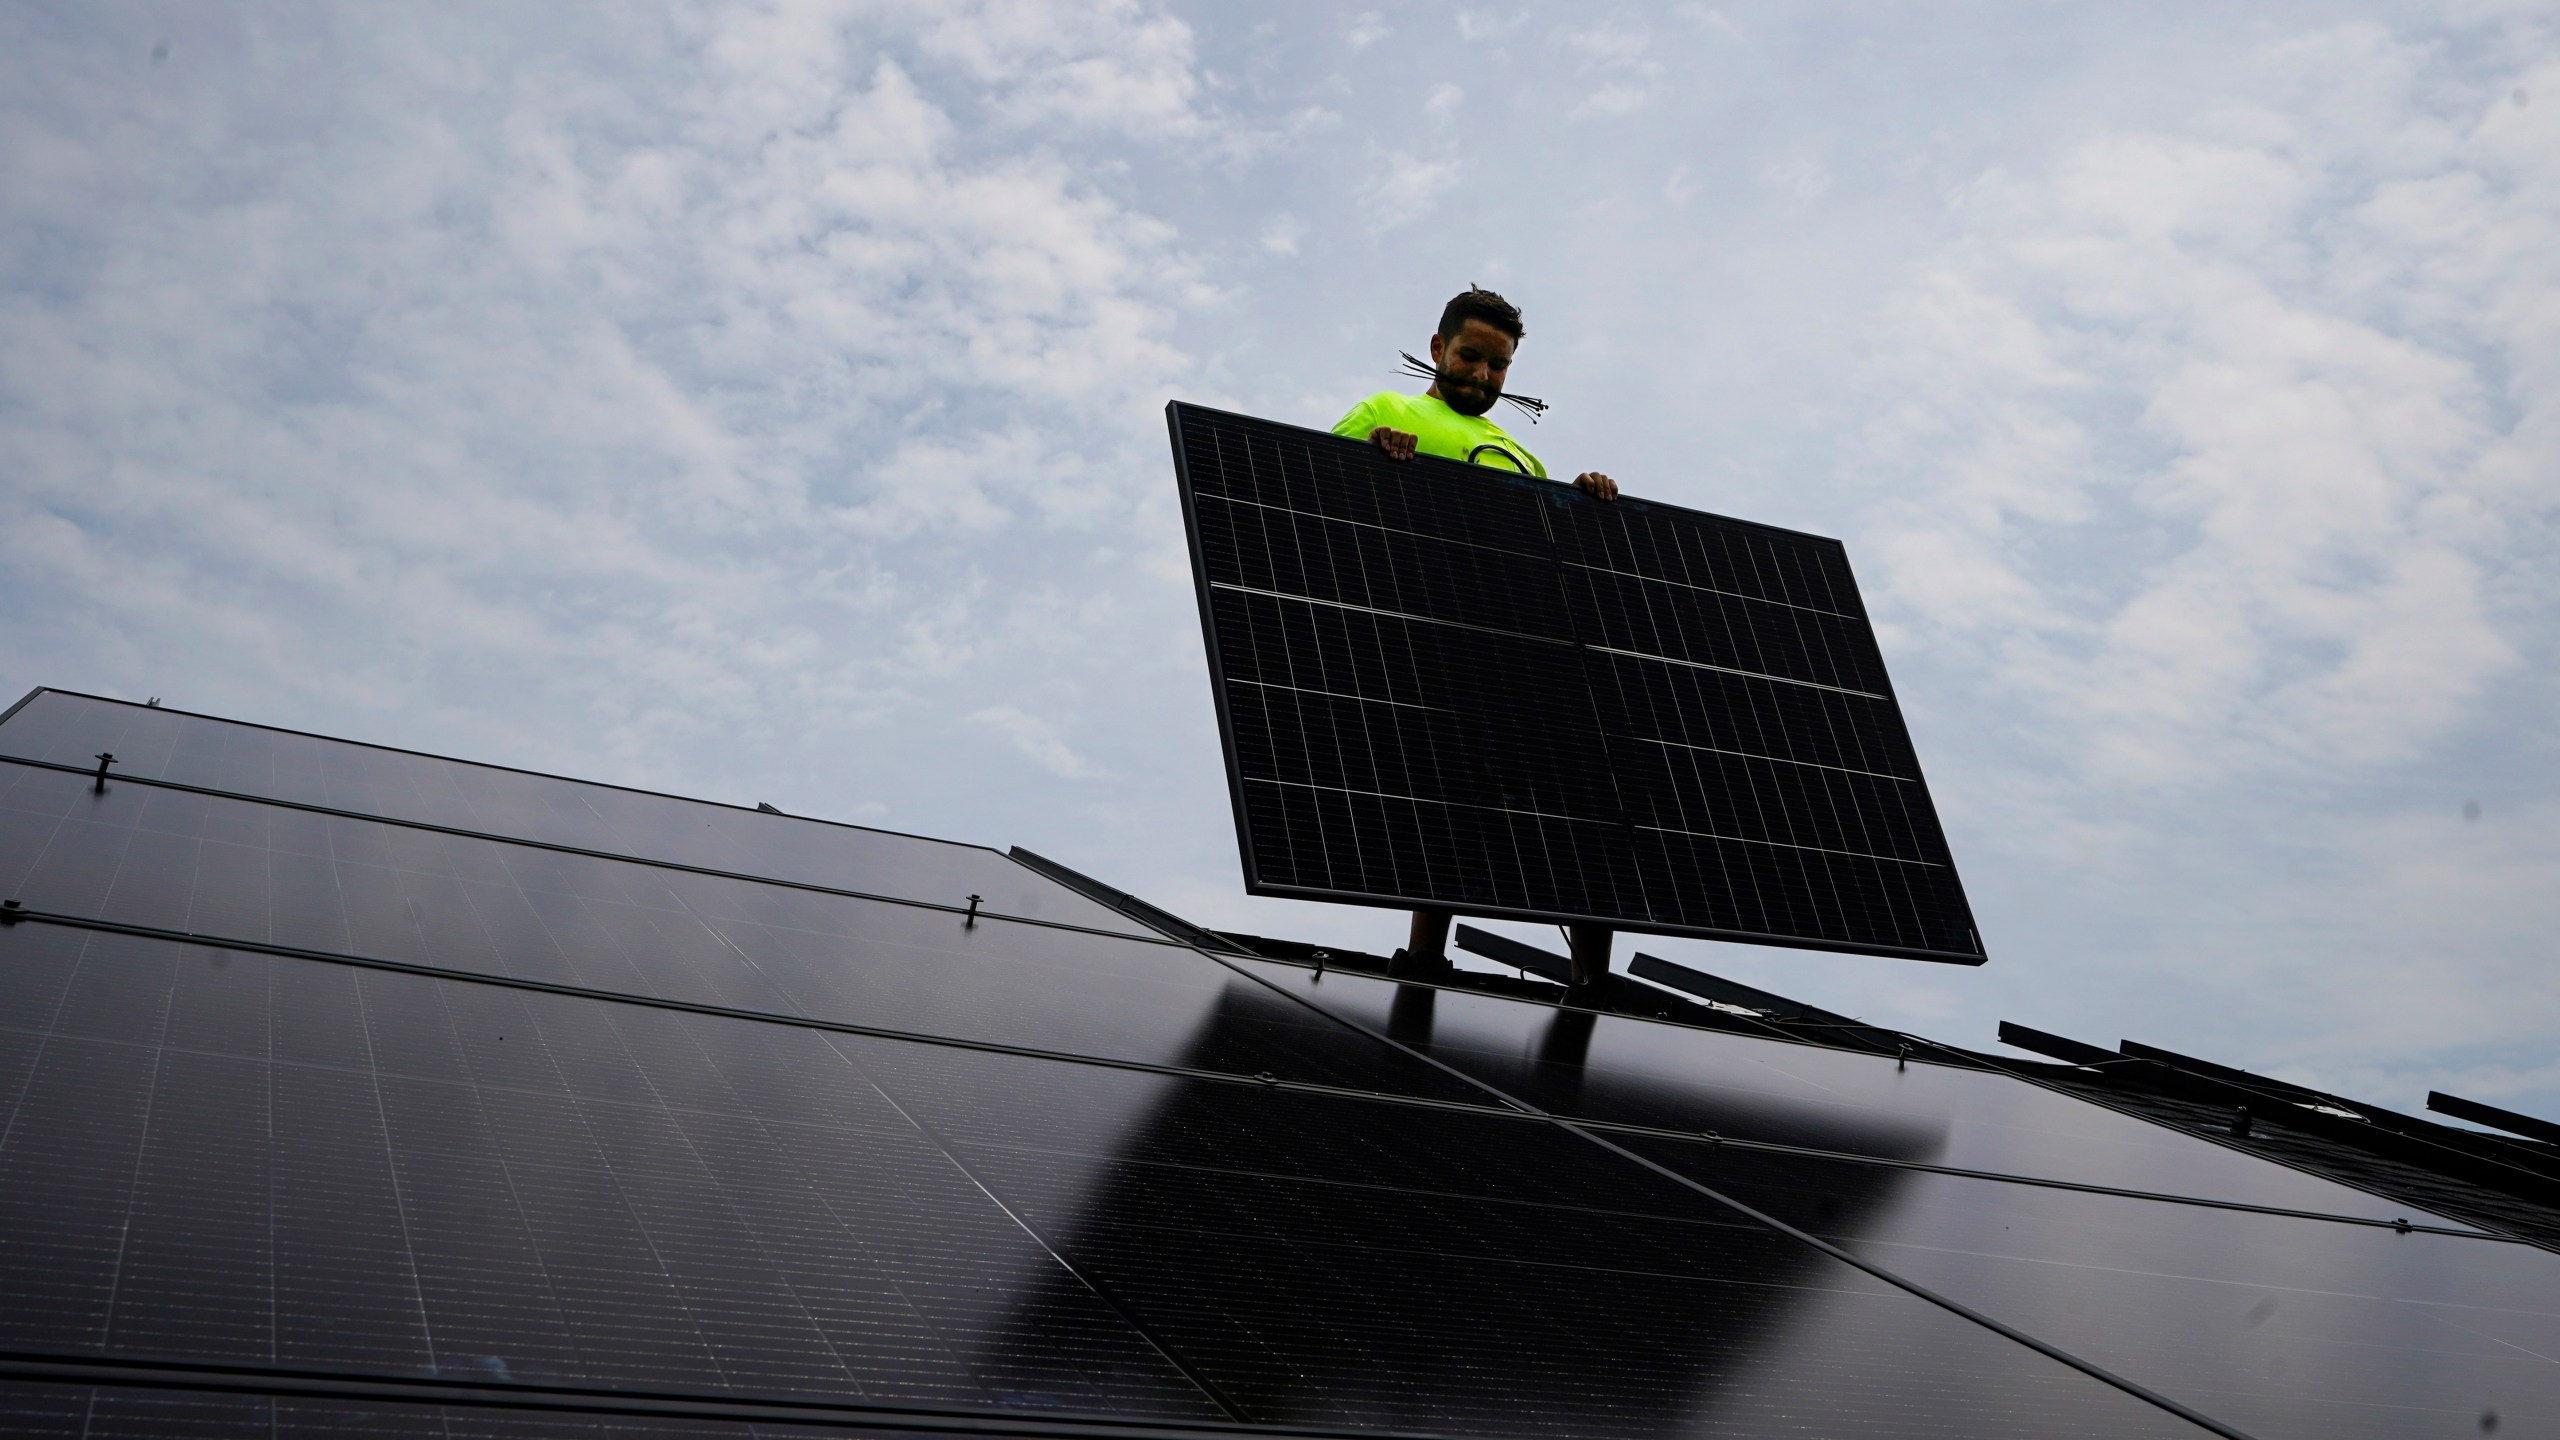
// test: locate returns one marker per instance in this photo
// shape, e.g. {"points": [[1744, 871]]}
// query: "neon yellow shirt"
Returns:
{"points": [[1439, 430]]}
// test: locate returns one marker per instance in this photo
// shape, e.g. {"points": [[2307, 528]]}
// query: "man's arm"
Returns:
{"points": [[1362, 424]]}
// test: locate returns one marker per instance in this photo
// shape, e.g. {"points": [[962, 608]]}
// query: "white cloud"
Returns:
{"points": [[1406, 185], [700, 404], [1407, 182], [1802, 178], [1611, 44], [1038, 741], [1615, 62], [1367, 29], [1111, 65], [2201, 453], [2235, 313], [1706, 18]]}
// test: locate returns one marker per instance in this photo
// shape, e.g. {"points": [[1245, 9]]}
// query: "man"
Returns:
{"points": [[1471, 354]]}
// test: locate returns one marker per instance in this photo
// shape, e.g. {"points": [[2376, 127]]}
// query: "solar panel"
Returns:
{"points": [[1448, 686], [218, 1157], [222, 1156], [2299, 1329], [244, 871], [651, 1148], [1779, 1092], [59, 727]]}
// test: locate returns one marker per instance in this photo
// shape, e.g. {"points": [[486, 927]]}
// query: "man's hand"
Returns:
{"points": [[1595, 484], [1397, 443]]}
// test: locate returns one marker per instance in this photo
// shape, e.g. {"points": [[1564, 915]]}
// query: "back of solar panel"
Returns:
{"points": [[1450, 686]]}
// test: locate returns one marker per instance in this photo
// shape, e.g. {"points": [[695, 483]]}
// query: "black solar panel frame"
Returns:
{"points": [[1178, 413]]}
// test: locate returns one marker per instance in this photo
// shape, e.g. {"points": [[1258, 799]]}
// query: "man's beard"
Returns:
{"points": [[1465, 396]]}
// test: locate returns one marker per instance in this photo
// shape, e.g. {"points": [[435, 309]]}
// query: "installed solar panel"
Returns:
{"points": [[59, 727], [213, 1156], [1449, 686], [264, 874], [1779, 1092], [219, 1156], [2299, 1329]]}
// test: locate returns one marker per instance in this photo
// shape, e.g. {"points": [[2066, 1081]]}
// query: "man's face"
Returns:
{"points": [[1471, 365]]}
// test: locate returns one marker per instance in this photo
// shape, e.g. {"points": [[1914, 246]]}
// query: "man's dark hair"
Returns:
{"points": [[1477, 303]]}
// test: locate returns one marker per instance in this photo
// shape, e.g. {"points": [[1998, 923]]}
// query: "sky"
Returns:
{"points": [[764, 402]]}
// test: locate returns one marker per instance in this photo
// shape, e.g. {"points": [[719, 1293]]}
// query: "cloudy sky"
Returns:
{"points": [[763, 402]]}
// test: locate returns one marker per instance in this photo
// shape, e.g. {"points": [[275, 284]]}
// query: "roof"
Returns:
{"points": [[344, 1087]]}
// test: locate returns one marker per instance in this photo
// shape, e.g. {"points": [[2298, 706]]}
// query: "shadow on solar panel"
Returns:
{"points": [[1327, 1262], [1453, 688]]}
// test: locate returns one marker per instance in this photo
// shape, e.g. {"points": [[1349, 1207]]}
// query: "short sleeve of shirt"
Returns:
{"points": [[1358, 423]]}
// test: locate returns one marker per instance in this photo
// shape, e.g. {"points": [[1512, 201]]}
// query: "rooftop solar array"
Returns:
{"points": [[1450, 686], [317, 1121], [293, 768]]}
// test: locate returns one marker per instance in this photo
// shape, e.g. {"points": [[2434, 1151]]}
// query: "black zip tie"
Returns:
{"points": [[105, 759], [1530, 405], [972, 921]]}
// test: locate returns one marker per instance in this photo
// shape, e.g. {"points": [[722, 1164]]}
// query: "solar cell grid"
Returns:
{"points": [[1452, 1273], [64, 728], [1447, 686], [1640, 1072], [260, 873], [231, 1157], [1369, 566], [413, 1176], [2297, 1329]]}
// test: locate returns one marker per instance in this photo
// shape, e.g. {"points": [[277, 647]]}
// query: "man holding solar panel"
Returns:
{"points": [[1489, 695], [1470, 358]]}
